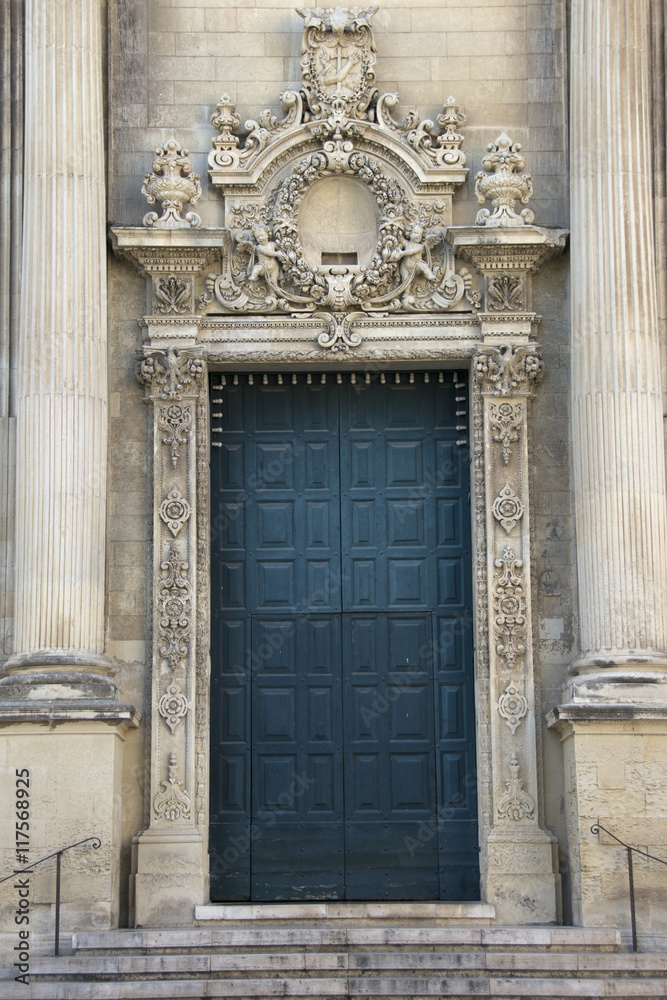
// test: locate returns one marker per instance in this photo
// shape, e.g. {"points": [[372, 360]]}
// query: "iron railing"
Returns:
{"points": [[595, 829], [57, 855]]}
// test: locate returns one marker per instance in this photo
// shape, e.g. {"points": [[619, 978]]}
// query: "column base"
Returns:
{"points": [[170, 877], [60, 675], [522, 882]]}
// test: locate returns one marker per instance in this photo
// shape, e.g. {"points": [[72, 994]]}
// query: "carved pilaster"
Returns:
{"points": [[521, 880], [166, 873]]}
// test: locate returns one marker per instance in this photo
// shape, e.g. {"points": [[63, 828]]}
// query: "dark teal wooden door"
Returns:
{"points": [[342, 732]]}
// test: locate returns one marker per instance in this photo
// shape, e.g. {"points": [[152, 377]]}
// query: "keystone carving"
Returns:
{"points": [[173, 185], [508, 371], [504, 184], [173, 802]]}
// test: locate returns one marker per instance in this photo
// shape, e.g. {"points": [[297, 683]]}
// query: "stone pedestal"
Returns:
{"points": [[616, 776]]}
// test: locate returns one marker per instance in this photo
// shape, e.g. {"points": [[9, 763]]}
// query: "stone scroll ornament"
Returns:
{"points": [[506, 420], [173, 802]]}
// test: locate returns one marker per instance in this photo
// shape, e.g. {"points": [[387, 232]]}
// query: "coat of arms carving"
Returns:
{"points": [[338, 60]]}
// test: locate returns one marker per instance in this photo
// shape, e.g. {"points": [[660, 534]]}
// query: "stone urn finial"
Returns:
{"points": [[173, 185], [504, 184]]}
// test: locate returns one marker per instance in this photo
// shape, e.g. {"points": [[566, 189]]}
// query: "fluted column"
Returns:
{"points": [[62, 404], [619, 468]]}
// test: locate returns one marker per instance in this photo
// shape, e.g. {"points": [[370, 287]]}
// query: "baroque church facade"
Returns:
{"points": [[333, 481]]}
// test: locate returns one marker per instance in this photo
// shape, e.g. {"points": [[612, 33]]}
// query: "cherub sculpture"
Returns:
{"points": [[267, 258], [413, 257]]}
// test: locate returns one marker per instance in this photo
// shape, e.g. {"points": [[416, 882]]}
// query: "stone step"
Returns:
{"points": [[331, 935], [462, 913], [399, 988], [348, 964]]}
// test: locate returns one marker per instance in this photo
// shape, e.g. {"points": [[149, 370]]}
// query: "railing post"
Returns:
{"points": [[631, 879], [58, 857]]}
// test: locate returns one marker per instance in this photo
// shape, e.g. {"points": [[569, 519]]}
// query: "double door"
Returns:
{"points": [[342, 703]]}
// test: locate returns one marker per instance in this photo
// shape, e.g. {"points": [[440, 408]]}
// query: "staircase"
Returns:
{"points": [[328, 958]]}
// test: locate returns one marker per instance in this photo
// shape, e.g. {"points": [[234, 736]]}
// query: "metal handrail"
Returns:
{"points": [[57, 855], [595, 829]]}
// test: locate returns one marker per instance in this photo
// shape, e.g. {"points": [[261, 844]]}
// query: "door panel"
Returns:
{"points": [[342, 731]]}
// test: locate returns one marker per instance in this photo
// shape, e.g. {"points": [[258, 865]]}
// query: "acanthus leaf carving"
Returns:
{"points": [[506, 293], [515, 803], [508, 371], [504, 183], [173, 184], [506, 420], [512, 706], [173, 295], [173, 706], [509, 604], [507, 508], [175, 510], [174, 597], [173, 802], [171, 373]]}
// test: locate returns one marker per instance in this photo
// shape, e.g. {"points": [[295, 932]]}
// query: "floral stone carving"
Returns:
{"points": [[174, 610], [173, 185], [173, 706], [173, 802], [507, 508], [512, 706], [441, 144], [505, 420], [173, 295], [509, 605], [176, 421], [506, 293], [515, 803], [507, 371], [504, 184], [174, 511]]}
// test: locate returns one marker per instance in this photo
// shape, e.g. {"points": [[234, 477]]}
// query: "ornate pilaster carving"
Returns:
{"points": [[173, 802], [507, 375]]}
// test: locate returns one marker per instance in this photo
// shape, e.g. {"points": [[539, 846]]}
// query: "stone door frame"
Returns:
{"points": [[517, 855]]}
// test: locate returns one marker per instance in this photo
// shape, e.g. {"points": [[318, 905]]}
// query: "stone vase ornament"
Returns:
{"points": [[503, 184], [173, 185]]}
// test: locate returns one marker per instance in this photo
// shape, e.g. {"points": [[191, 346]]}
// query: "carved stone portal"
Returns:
{"points": [[278, 287]]}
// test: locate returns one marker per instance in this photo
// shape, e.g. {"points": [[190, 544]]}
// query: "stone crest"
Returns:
{"points": [[338, 60]]}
